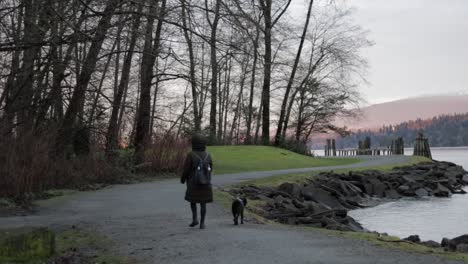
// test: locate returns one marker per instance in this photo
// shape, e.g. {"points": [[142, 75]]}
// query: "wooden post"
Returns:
{"points": [[421, 147], [333, 147], [328, 148]]}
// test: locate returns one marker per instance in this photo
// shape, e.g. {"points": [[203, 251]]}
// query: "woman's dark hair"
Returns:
{"points": [[199, 142]]}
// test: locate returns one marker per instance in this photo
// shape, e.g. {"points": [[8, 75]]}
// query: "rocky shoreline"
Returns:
{"points": [[324, 201]]}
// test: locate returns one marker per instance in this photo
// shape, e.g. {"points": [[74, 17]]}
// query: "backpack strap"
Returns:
{"points": [[202, 160]]}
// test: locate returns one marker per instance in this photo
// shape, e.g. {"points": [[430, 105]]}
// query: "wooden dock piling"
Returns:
{"points": [[421, 146]]}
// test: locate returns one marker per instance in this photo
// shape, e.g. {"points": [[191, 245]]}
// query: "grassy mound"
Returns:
{"points": [[233, 159]]}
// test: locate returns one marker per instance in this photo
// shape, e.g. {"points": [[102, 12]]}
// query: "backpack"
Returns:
{"points": [[203, 171]]}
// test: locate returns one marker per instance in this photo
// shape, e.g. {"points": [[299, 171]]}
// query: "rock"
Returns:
{"points": [[320, 196], [368, 188], [453, 173], [441, 191], [457, 241], [290, 188], [392, 194], [265, 198], [408, 179], [445, 242], [316, 208], [378, 188], [465, 179], [298, 204], [405, 190], [323, 200], [431, 243], [421, 192], [413, 238], [26, 244], [463, 248], [279, 201]]}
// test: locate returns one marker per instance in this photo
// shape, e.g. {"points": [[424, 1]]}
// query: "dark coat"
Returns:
{"points": [[196, 193]]}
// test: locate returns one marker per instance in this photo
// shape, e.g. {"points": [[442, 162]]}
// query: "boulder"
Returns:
{"points": [[457, 241], [408, 179], [321, 196], [354, 225], [463, 248], [413, 238], [26, 244], [290, 188], [265, 198], [453, 172], [431, 243], [378, 187], [392, 194], [316, 208], [465, 179], [421, 192], [442, 191], [445, 242], [298, 204], [405, 190], [279, 200], [368, 188]]}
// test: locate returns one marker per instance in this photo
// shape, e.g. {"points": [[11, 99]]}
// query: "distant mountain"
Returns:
{"points": [[391, 113], [442, 131]]}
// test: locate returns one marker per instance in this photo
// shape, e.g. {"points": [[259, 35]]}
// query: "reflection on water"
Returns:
{"points": [[430, 218]]}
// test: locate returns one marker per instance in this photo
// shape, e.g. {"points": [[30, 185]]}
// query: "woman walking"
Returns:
{"points": [[197, 175]]}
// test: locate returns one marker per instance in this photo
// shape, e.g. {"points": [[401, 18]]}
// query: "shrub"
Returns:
{"points": [[27, 168], [166, 154], [296, 146]]}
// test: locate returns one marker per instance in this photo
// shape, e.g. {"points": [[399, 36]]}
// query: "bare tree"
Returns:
{"points": [[279, 136], [151, 51]]}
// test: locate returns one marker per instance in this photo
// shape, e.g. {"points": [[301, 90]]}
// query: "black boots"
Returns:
{"points": [[194, 223]]}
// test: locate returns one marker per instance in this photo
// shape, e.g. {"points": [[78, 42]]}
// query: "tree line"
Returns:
{"points": [[441, 131], [93, 74]]}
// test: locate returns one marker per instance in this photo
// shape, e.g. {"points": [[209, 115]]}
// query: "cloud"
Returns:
{"points": [[420, 46]]}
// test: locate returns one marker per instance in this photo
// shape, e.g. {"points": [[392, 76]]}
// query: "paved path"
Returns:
{"points": [[149, 221]]}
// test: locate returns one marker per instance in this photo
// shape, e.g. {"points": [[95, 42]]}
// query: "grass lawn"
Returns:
{"points": [[233, 159], [300, 177]]}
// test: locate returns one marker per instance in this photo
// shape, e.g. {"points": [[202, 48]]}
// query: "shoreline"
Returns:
{"points": [[325, 201]]}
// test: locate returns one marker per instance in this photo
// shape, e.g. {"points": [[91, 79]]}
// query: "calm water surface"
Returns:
{"points": [[430, 218]]}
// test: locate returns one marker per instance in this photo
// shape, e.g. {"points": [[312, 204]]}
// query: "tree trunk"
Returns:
{"points": [[193, 81], [239, 99], [34, 21], [259, 122], [114, 124], [214, 72], [10, 93], [279, 136], [267, 75], [221, 104], [151, 51], [64, 137], [227, 99], [101, 82], [248, 139], [300, 120]]}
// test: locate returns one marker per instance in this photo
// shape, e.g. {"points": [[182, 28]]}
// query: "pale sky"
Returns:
{"points": [[421, 46]]}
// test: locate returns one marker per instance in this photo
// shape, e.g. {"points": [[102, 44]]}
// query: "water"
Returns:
{"points": [[430, 218]]}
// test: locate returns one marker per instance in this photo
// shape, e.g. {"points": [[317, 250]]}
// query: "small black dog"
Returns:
{"points": [[238, 206]]}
